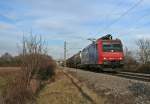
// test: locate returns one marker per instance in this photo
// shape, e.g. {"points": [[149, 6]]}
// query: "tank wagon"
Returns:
{"points": [[74, 61], [105, 54]]}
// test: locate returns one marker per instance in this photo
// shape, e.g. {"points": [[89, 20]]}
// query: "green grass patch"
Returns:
{"points": [[4, 81]]}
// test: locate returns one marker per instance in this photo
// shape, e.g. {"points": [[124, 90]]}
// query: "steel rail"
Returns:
{"points": [[136, 76]]}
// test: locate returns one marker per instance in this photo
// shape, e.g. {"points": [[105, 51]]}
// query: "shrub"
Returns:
{"points": [[145, 68], [47, 69]]}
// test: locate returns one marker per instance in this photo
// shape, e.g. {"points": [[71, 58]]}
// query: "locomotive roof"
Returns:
{"points": [[113, 40], [108, 37], [90, 45], [109, 40]]}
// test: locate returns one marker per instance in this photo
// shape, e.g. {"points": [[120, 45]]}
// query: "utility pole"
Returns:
{"points": [[65, 52]]}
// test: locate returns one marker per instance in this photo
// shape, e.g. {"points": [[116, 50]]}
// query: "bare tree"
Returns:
{"points": [[32, 53], [35, 66], [144, 50], [130, 61], [127, 53]]}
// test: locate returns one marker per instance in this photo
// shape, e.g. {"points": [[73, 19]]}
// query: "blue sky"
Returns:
{"points": [[73, 21]]}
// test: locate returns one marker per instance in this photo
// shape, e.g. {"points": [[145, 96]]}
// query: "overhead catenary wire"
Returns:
{"points": [[123, 14], [113, 9]]}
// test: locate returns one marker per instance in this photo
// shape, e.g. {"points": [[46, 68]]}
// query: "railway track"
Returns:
{"points": [[131, 75], [127, 75], [136, 76]]}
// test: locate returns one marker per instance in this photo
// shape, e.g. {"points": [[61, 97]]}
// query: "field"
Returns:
{"points": [[8, 71]]}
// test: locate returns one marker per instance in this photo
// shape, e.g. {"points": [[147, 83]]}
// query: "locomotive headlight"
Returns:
{"points": [[104, 58], [120, 58]]}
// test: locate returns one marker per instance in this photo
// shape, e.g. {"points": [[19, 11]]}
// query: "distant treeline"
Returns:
{"points": [[8, 60]]}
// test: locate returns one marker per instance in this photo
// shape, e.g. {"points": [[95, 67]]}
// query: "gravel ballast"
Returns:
{"points": [[117, 90]]}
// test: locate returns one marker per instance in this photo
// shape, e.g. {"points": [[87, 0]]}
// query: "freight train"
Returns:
{"points": [[104, 54]]}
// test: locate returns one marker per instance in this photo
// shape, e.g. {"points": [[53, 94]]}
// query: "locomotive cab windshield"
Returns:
{"points": [[112, 47]]}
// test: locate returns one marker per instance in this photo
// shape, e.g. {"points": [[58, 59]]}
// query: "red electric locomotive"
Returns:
{"points": [[105, 54], [110, 53]]}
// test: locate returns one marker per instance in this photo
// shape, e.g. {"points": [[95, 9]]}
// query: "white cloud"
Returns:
{"points": [[6, 26]]}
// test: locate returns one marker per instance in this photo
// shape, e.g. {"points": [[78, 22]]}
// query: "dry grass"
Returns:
{"points": [[12, 87]]}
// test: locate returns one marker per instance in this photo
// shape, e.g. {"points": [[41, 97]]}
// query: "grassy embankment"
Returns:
{"points": [[63, 91]]}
